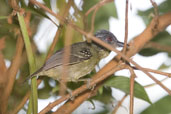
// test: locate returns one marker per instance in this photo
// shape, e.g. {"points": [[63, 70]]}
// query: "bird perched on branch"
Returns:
{"points": [[83, 58]]}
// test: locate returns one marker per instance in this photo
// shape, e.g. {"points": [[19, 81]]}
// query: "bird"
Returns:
{"points": [[83, 58]]}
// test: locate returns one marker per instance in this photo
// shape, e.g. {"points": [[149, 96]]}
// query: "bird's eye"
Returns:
{"points": [[109, 39]]}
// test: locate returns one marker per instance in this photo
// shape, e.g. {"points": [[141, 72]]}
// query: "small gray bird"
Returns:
{"points": [[83, 58]]}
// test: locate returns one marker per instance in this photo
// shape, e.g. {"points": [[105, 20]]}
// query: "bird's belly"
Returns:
{"points": [[74, 72]]}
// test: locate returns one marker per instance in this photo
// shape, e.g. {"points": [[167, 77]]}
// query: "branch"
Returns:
{"points": [[118, 105], [126, 27], [11, 74], [158, 46], [132, 79]]}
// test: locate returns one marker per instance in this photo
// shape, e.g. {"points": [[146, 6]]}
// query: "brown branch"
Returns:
{"points": [[93, 20], [68, 40], [11, 74], [132, 79], [153, 84], [18, 108], [55, 40], [158, 72], [70, 106], [65, 14], [126, 28], [3, 67], [3, 70], [2, 43], [118, 105], [158, 46], [24, 100], [99, 4], [14, 5], [155, 8], [66, 59]]}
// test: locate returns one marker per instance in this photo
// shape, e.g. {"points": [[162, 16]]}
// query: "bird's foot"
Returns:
{"points": [[88, 82], [70, 94]]}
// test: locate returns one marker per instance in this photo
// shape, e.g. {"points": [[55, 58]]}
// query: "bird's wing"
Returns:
{"points": [[79, 52]]}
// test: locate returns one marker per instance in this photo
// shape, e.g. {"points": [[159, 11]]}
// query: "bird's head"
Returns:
{"points": [[108, 38]]}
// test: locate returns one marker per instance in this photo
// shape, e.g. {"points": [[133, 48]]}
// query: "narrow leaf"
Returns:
{"points": [[31, 61]]}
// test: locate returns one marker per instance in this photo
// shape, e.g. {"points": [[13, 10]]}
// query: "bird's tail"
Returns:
{"points": [[34, 74]]}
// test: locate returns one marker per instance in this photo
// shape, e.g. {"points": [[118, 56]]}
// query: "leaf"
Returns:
{"points": [[44, 93], [31, 60], [123, 83], [163, 106], [105, 96], [47, 3], [163, 66]]}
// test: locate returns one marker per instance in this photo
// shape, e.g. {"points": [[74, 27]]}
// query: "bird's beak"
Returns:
{"points": [[121, 44]]}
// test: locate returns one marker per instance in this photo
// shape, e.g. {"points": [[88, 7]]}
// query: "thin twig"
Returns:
{"points": [[118, 105], [153, 84], [99, 4], [93, 20], [24, 100], [155, 8], [156, 15], [11, 72], [55, 40], [158, 46], [131, 106], [158, 72], [126, 28], [66, 59]]}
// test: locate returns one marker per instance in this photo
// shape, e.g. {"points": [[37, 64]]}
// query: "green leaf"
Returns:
{"points": [[163, 66], [163, 106], [123, 83], [45, 92], [105, 96], [163, 38], [102, 15], [47, 3]]}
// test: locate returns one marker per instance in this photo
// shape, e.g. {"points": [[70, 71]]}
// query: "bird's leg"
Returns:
{"points": [[87, 80], [69, 91]]}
